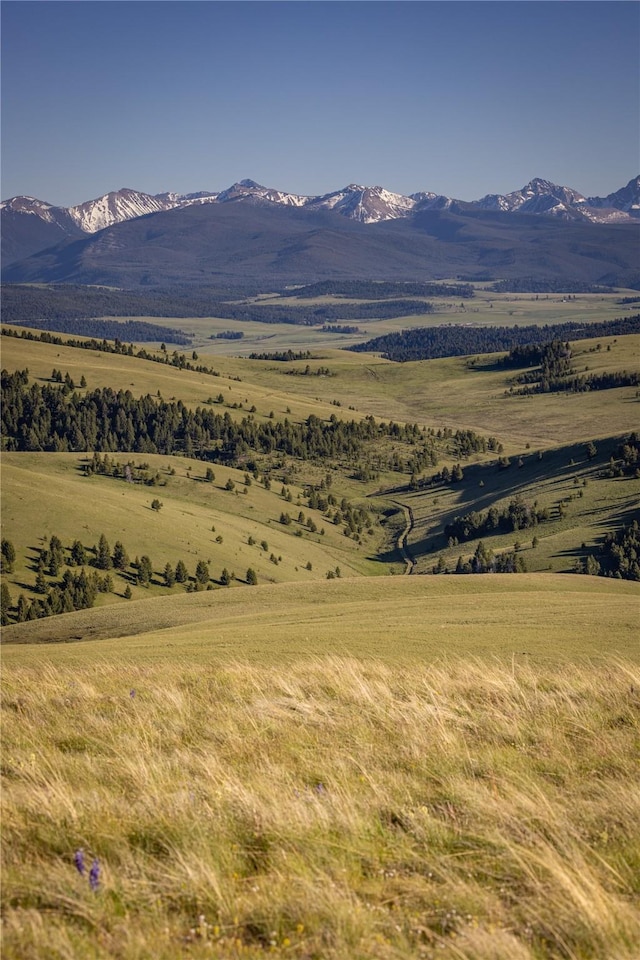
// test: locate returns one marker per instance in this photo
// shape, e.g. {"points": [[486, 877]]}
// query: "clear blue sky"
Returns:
{"points": [[462, 98]]}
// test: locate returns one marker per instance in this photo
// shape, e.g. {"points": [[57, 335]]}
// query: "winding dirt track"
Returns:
{"points": [[403, 537]]}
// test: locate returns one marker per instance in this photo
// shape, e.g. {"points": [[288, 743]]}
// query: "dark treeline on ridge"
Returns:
{"points": [[618, 556], [129, 330], [116, 346], [382, 289], [546, 285], [458, 340]]}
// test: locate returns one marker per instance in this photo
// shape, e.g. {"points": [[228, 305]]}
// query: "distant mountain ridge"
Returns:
{"points": [[23, 217], [250, 238]]}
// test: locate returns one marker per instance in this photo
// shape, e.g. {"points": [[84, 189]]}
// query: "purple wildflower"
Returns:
{"points": [[78, 859], [132, 694], [94, 874]]}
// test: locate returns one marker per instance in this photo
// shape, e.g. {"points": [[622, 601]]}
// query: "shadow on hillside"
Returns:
{"points": [[556, 466], [622, 518]]}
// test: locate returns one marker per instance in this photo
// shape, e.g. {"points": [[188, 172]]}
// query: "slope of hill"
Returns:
{"points": [[396, 619]]}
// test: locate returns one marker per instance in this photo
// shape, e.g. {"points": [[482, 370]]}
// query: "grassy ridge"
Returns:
{"points": [[325, 809], [406, 619]]}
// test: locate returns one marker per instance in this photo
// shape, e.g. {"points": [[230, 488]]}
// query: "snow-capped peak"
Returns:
{"points": [[114, 207], [366, 204]]}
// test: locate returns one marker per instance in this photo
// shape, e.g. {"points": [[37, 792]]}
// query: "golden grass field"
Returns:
{"points": [[327, 808]]}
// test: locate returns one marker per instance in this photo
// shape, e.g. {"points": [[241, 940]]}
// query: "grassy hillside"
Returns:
{"points": [[407, 619], [45, 494], [583, 503]]}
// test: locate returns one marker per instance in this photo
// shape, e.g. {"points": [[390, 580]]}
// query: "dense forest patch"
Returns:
{"points": [[458, 340]]}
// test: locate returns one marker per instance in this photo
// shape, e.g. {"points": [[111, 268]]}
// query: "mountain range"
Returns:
{"points": [[128, 237]]}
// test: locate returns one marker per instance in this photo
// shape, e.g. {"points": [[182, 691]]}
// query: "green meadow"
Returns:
{"points": [[340, 761]]}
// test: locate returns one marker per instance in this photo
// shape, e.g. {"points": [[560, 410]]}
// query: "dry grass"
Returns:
{"points": [[330, 808]]}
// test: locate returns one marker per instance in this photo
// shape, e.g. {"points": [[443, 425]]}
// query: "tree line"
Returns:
{"points": [[625, 460], [21, 303], [581, 383], [284, 356], [427, 343], [382, 289], [554, 372], [116, 346], [129, 330], [484, 560], [546, 285], [45, 417]]}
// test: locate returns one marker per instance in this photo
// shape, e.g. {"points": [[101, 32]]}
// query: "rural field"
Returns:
{"points": [[311, 746]]}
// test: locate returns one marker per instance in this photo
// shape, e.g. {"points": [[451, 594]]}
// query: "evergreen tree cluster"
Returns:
{"points": [[554, 372], [78, 590], [554, 357], [427, 343], [43, 417], [116, 346], [308, 372], [484, 560], [7, 556], [619, 555], [138, 330], [518, 515], [583, 384], [625, 461], [284, 356], [340, 328], [131, 472], [75, 591]]}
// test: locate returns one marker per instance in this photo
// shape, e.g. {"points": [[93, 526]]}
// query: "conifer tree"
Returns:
{"points": [[5, 604], [8, 554], [169, 575], [103, 554]]}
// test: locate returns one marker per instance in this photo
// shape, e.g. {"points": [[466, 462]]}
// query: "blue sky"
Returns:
{"points": [[462, 98]]}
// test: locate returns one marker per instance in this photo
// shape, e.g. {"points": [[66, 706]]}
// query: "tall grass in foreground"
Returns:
{"points": [[330, 809]]}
